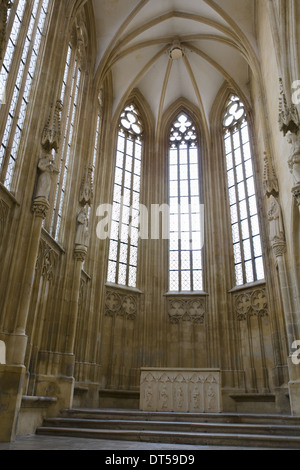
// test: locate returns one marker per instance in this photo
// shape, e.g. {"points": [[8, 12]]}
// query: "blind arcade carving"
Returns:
{"points": [[181, 390]]}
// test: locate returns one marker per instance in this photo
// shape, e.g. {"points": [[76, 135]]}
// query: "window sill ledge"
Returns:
{"points": [[185, 293], [134, 290], [248, 286]]}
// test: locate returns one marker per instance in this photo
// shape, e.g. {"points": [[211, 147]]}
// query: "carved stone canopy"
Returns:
{"points": [[288, 115], [86, 188], [270, 182], [52, 132]]}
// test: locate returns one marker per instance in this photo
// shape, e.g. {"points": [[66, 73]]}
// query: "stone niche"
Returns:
{"points": [[181, 390]]}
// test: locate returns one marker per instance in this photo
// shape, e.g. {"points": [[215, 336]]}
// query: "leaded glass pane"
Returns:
{"points": [[25, 39], [126, 198], [244, 217]]}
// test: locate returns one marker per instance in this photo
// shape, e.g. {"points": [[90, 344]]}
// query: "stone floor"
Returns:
{"points": [[66, 443]]}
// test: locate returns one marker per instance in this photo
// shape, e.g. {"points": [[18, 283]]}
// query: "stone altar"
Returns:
{"points": [[180, 390]]}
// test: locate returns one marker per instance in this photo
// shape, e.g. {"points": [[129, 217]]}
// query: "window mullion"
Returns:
{"points": [[190, 219], [179, 220], [9, 25], [238, 207], [121, 209], [130, 211], [248, 211]]}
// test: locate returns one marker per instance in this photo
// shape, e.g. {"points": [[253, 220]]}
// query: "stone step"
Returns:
{"points": [[224, 429], [187, 438], [136, 415], [173, 426]]}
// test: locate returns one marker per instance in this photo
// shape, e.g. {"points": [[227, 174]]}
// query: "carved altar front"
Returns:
{"points": [[180, 390]]}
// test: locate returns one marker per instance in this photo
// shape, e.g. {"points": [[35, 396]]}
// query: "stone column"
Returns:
{"points": [[17, 341], [12, 374], [289, 123], [80, 251], [279, 249], [79, 256]]}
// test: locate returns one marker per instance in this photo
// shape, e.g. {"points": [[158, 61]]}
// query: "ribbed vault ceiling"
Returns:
{"points": [[134, 38]]}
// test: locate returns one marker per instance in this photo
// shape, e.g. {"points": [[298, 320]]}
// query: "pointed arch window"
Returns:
{"points": [[26, 22], [186, 228], [246, 238], [124, 236]]}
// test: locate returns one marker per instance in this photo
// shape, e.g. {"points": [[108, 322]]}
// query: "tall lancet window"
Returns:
{"points": [[26, 23], [246, 237], [71, 97], [185, 244], [123, 251]]}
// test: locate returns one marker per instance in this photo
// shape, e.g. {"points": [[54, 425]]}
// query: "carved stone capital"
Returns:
{"points": [[40, 207], [279, 248], [80, 252]]}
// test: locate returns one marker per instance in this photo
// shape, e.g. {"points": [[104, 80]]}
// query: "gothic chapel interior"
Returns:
{"points": [[149, 208]]}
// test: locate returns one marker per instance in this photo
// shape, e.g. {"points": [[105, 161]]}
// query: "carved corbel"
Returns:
{"points": [[40, 207]]}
